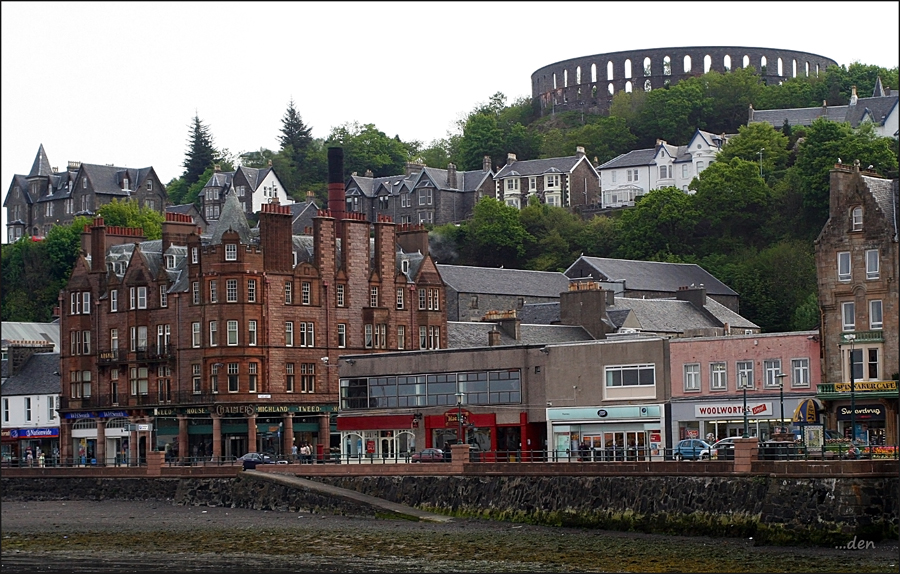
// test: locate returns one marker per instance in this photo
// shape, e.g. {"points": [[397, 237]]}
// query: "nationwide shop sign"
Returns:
{"points": [[39, 432], [736, 410]]}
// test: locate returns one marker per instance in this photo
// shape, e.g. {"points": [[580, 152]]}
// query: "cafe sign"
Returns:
{"points": [[864, 386]]}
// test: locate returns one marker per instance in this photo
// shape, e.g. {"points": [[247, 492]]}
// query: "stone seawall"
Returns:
{"points": [[822, 511]]}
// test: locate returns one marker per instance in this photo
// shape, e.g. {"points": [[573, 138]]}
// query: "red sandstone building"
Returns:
{"points": [[216, 345]]}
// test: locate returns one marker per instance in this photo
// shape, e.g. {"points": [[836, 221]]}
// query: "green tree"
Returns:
{"points": [[599, 237], [295, 133], [201, 154], [365, 147], [660, 224], [481, 136], [828, 142], [752, 139], [127, 213], [730, 96], [496, 235], [732, 205]]}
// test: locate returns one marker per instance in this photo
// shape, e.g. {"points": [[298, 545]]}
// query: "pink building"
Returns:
{"points": [[708, 375]]}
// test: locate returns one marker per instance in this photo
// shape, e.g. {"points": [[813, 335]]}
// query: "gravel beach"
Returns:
{"points": [[127, 536]]}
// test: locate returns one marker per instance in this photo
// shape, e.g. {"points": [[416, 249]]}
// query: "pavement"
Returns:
{"points": [[352, 495]]}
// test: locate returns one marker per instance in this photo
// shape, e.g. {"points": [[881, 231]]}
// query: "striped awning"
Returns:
{"points": [[808, 411]]}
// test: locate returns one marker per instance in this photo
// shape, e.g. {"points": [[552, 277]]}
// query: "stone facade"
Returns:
{"points": [[588, 83], [858, 268]]}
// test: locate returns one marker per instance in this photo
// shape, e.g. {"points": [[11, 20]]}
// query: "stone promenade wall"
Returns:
{"points": [[824, 511]]}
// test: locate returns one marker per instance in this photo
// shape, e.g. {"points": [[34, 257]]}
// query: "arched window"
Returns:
{"points": [[628, 68], [647, 85], [762, 64], [746, 61], [794, 68], [707, 63], [565, 78], [578, 75], [647, 70], [628, 87], [687, 64], [806, 69], [817, 70], [780, 67], [609, 70], [667, 66], [610, 89], [727, 63], [593, 73], [554, 80], [594, 92]]}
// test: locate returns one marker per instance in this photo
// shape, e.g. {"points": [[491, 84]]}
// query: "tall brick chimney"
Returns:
{"points": [[275, 237], [412, 237], [337, 201], [584, 304], [176, 229], [451, 175], [98, 245]]}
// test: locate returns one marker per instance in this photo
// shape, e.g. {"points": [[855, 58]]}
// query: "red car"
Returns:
{"points": [[429, 455]]}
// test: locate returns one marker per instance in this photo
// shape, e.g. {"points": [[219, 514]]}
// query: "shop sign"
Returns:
{"points": [[112, 414], [31, 433], [863, 413], [81, 415], [866, 386], [196, 411], [602, 413], [163, 412], [246, 410], [273, 409], [453, 417], [719, 410]]}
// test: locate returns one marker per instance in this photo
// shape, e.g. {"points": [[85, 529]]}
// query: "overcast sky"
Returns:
{"points": [[118, 83]]}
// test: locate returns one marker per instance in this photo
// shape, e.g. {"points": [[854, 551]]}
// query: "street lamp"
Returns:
{"points": [[780, 377], [459, 400], [744, 386], [852, 338]]}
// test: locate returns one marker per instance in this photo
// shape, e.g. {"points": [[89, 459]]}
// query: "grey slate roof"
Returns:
{"points": [[530, 167], [41, 165], [634, 158], [489, 280], [877, 108], [539, 313], [232, 217], [654, 275], [36, 377], [461, 334], [22, 331], [885, 192]]}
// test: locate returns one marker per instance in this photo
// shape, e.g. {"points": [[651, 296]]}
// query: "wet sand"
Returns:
{"points": [[156, 536]]}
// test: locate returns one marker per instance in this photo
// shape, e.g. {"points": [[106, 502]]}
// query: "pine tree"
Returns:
{"points": [[200, 154], [295, 133]]}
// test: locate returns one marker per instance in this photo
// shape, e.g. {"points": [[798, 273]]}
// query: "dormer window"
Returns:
{"points": [[125, 184], [170, 262], [230, 252], [404, 266], [857, 219]]}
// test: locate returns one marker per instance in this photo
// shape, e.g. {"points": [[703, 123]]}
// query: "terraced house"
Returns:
{"points": [[218, 344]]}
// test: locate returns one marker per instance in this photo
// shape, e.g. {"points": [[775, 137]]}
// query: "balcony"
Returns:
{"points": [[159, 354], [863, 337]]}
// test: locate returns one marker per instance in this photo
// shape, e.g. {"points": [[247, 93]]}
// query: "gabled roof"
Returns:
{"points": [[529, 167], [885, 193], [39, 376], [22, 331], [652, 275], [518, 282]]}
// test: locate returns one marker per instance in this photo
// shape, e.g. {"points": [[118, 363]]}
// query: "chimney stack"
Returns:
{"points": [[486, 164], [337, 204], [510, 158], [853, 97], [451, 175], [579, 151]]}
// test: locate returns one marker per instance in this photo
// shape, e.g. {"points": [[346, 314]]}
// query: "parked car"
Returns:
{"points": [[428, 455], [691, 449], [721, 448], [251, 459]]}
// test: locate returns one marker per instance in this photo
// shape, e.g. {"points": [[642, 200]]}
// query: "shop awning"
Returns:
{"points": [[808, 411]]}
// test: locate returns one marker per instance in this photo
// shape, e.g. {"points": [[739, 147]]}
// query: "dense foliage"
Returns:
{"points": [[750, 219]]}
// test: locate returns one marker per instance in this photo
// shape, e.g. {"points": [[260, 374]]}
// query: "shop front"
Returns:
{"points": [[42, 443], [715, 420], [607, 433], [384, 437], [876, 414]]}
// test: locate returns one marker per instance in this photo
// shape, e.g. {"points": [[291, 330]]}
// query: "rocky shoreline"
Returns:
{"points": [[159, 536]]}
